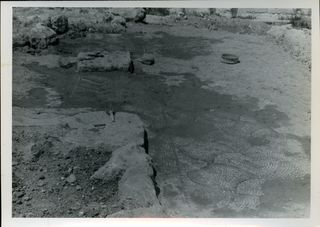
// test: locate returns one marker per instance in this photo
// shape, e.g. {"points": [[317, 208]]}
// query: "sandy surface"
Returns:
{"points": [[226, 140]]}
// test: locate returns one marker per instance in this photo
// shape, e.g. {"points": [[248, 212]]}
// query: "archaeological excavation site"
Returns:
{"points": [[161, 112]]}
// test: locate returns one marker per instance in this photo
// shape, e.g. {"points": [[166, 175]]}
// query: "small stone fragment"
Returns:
{"points": [[30, 214], [27, 198], [41, 183], [45, 210], [71, 178], [20, 194], [78, 187]]}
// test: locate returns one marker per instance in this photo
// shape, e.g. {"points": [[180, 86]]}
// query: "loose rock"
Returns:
{"points": [[19, 202], [30, 214], [59, 24], [71, 179], [20, 194], [41, 36], [27, 198], [81, 213], [39, 148], [41, 183], [118, 20], [108, 17], [78, 187]]}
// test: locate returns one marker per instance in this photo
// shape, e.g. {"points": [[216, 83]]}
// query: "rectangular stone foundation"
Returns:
{"points": [[103, 61]]}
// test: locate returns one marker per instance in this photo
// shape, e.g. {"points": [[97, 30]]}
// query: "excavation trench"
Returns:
{"points": [[202, 141]]}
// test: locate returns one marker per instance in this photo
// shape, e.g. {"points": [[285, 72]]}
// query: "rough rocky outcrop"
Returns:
{"points": [[136, 14], [59, 24], [118, 20], [37, 37], [40, 37], [104, 61]]}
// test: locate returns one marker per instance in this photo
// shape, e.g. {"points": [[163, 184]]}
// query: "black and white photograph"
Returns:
{"points": [[161, 112]]}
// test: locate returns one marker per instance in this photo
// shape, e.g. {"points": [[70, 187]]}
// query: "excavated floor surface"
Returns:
{"points": [[226, 140]]}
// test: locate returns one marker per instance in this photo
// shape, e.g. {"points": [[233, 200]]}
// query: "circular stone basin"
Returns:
{"points": [[230, 59]]}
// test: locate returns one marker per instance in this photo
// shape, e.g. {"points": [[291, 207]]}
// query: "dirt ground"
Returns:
{"points": [[225, 140]]}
